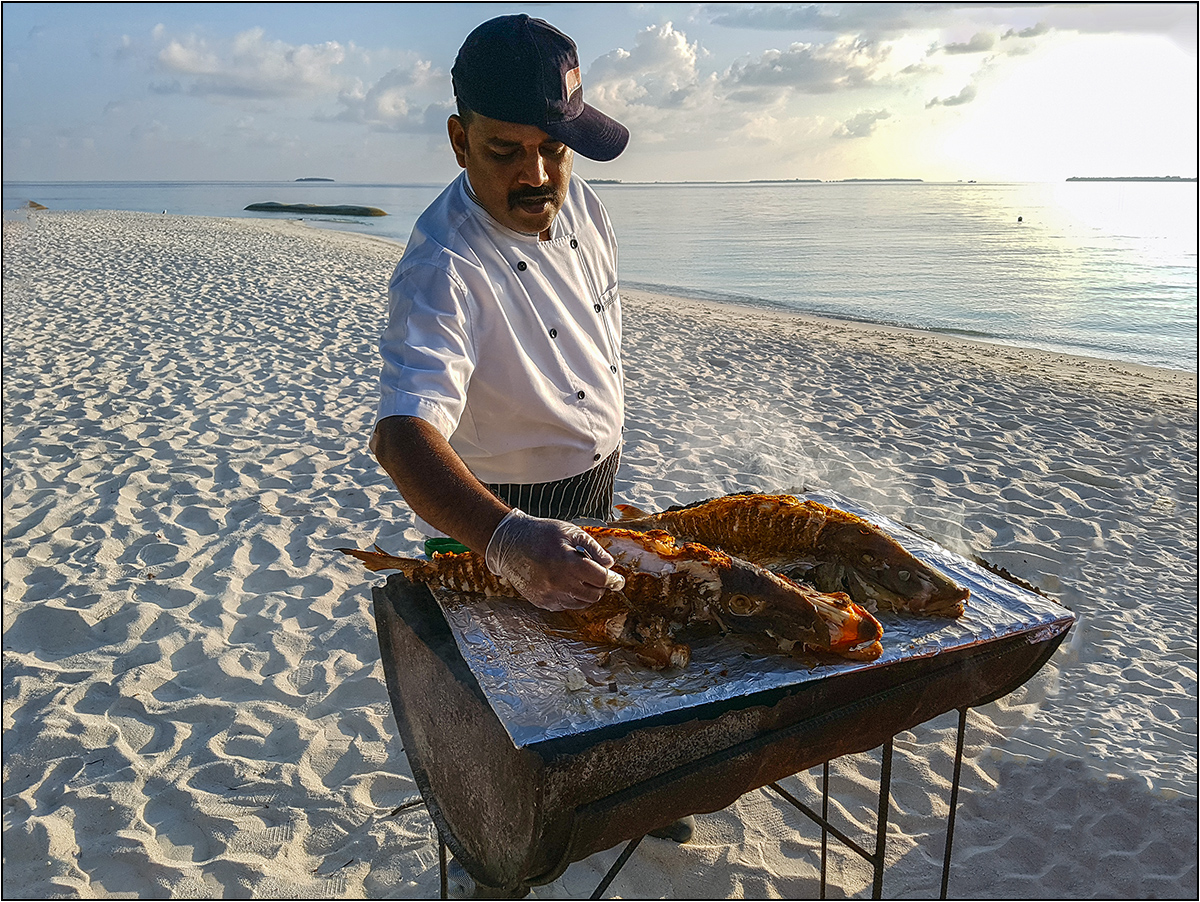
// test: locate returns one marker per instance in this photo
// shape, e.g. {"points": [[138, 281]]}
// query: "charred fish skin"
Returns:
{"points": [[824, 622], [669, 586], [707, 586], [755, 601], [835, 550]]}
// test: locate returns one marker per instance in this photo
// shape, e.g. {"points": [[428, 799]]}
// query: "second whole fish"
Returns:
{"points": [[834, 550]]}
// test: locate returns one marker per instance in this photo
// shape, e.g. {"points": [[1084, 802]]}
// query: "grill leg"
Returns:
{"points": [[616, 867], [824, 823], [445, 889], [885, 783], [958, 753]]}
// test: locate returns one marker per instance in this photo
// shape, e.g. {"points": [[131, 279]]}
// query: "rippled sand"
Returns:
{"points": [[193, 701]]}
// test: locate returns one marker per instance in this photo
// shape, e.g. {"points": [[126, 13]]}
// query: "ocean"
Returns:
{"points": [[1103, 269]]}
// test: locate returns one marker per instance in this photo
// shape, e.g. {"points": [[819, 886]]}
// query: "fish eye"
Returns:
{"points": [[743, 605]]}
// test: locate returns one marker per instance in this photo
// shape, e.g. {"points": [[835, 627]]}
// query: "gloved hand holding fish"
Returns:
{"points": [[522, 546]]}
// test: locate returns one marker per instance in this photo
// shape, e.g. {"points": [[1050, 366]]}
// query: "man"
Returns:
{"points": [[502, 400], [501, 392]]}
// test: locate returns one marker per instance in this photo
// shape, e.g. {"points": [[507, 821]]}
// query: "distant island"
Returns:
{"points": [[762, 182], [313, 180], [1130, 178], [333, 209]]}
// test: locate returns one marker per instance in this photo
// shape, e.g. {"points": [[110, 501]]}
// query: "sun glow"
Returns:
{"points": [[1090, 105]]}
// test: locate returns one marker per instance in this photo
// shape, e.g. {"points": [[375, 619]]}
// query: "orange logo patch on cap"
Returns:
{"points": [[572, 81]]}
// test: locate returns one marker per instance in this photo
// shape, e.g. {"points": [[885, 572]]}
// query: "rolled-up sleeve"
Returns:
{"points": [[428, 355]]}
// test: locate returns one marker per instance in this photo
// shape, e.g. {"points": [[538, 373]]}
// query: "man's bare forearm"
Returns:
{"points": [[435, 482], [553, 564]]}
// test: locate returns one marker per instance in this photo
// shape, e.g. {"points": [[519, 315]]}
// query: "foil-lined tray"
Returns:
{"points": [[543, 684]]}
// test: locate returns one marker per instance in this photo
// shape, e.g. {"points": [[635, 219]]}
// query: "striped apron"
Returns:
{"points": [[587, 495]]}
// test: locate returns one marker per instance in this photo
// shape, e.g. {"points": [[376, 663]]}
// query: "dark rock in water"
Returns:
{"points": [[334, 209], [34, 205], [313, 179]]}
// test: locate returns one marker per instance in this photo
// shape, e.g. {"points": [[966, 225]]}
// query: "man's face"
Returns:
{"points": [[518, 172]]}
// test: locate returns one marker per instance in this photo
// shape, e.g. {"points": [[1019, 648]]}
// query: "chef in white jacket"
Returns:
{"points": [[501, 397]]}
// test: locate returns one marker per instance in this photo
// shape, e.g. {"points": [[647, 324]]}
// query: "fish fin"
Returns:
{"points": [[864, 653], [629, 512], [378, 560]]}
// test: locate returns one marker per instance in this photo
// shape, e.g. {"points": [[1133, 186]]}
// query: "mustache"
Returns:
{"points": [[531, 194]]}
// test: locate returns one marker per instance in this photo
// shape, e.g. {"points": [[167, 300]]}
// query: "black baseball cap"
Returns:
{"points": [[521, 69]]}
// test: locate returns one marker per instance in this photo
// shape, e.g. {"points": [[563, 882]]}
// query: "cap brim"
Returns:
{"points": [[591, 134]]}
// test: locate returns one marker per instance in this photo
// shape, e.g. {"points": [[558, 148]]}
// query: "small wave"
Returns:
{"points": [[1079, 348]]}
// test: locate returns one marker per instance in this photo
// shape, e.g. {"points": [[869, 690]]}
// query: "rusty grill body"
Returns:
{"points": [[518, 816]]}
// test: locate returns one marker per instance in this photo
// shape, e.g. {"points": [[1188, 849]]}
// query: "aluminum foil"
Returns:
{"points": [[544, 684]]}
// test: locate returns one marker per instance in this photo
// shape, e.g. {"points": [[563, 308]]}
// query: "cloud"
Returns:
{"points": [[877, 19], [966, 95], [1032, 31], [817, 68], [1175, 20], [980, 42], [659, 89], [861, 124], [414, 98], [125, 48], [250, 66], [149, 131], [659, 72]]}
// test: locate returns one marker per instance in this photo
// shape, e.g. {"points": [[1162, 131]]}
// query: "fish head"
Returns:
{"points": [[872, 568], [757, 602]]}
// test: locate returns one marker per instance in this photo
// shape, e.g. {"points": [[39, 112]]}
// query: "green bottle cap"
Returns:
{"points": [[443, 545]]}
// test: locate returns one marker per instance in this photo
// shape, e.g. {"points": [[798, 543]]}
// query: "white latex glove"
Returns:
{"points": [[552, 563]]}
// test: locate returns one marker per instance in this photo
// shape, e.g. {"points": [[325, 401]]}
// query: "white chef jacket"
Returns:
{"points": [[508, 345]]}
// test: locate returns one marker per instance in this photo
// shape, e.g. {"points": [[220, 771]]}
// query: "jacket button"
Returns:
{"points": [[522, 265], [574, 243], [598, 308], [596, 457], [613, 368], [579, 395], [554, 333]]}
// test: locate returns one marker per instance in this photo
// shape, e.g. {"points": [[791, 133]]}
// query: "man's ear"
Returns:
{"points": [[458, 139]]}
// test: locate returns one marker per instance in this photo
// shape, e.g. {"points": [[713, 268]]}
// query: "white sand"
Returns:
{"points": [[193, 699]]}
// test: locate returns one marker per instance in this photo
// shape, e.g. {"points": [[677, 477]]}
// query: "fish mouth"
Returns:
{"points": [[919, 593], [932, 596]]}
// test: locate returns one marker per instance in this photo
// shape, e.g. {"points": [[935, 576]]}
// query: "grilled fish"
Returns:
{"points": [[834, 550], [668, 587]]}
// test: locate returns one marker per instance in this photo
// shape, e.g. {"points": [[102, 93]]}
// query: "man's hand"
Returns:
{"points": [[553, 564]]}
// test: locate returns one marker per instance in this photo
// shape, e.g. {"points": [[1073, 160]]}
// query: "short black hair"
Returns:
{"points": [[465, 113]]}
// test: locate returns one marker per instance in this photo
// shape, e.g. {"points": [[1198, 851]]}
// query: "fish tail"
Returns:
{"points": [[629, 512], [380, 560]]}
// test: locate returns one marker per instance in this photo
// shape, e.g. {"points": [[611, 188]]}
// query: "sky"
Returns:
{"points": [[360, 92]]}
